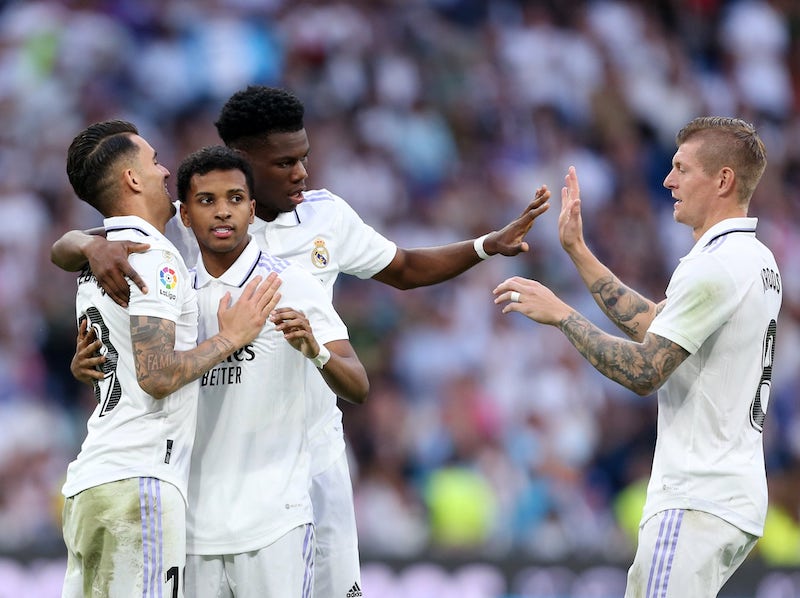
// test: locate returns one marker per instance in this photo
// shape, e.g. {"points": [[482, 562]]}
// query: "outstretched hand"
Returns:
{"points": [[570, 222], [110, 266], [509, 239], [532, 299]]}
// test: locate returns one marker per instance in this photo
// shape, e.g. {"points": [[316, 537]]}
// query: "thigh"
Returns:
{"points": [[284, 569], [206, 577], [125, 538], [686, 553], [337, 567]]}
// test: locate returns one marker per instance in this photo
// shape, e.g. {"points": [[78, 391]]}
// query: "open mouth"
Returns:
{"points": [[222, 232]]}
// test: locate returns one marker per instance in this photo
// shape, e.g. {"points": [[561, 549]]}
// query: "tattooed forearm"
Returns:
{"points": [[621, 304], [640, 367], [161, 369]]}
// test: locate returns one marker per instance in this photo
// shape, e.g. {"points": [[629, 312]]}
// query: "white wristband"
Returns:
{"points": [[322, 357], [478, 245]]}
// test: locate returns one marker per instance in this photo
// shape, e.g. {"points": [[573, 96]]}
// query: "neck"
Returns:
{"points": [[217, 263], [265, 213]]}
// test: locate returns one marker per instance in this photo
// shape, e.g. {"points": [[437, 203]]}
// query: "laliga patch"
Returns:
{"points": [[168, 283], [319, 255]]}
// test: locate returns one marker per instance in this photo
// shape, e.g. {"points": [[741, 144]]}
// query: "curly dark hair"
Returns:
{"points": [[256, 112], [213, 157], [91, 155]]}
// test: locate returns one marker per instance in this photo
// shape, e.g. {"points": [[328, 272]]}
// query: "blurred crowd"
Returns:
{"points": [[436, 119]]}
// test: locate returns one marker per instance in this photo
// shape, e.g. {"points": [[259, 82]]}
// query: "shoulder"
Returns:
{"points": [[268, 262], [322, 201]]}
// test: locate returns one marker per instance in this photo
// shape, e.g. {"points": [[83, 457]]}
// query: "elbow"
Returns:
{"points": [[357, 395], [404, 285], [360, 396], [645, 388], [154, 389], [56, 259]]}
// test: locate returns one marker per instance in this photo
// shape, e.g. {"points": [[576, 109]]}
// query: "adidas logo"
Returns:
{"points": [[355, 592]]}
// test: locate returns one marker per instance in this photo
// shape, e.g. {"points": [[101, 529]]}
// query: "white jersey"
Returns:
{"points": [[250, 475], [325, 236], [131, 434], [722, 307]]}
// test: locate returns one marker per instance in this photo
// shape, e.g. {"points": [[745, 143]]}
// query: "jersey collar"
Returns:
{"points": [[120, 223], [284, 219], [239, 272], [724, 227]]}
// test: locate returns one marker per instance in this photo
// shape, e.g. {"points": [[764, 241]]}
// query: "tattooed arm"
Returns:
{"points": [[638, 366], [161, 370], [628, 310]]}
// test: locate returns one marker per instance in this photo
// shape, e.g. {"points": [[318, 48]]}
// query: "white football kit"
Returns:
{"points": [[722, 307], [250, 474], [130, 434], [325, 236]]}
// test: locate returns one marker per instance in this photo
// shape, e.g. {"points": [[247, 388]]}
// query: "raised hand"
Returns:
{"points": [[509, 239], [570, 223]]}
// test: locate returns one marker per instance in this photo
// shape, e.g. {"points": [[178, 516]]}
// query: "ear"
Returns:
{"points": [[252, 212], [131, 179], [726, 184], [187, 221]]}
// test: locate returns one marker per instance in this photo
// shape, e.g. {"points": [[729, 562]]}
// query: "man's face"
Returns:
{"points": [[279, 169], [219, 210], [153, 176], [692, 189]]}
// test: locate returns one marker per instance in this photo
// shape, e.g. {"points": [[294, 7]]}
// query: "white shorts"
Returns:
{"points": [[284, 569], [125, 538], [337, 566], [686, 553]]}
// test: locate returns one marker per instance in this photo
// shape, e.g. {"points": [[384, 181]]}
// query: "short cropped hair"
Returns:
{"points": [[208, 159], [91, 156], [730, 142], [256, 112]]}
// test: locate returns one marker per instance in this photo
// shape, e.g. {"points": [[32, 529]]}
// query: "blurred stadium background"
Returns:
{"points": [[490, 460]]}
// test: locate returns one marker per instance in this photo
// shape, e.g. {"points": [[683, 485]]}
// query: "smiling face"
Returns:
{"points": [[279, 168], [219, 210], [695, 192], [153, 178]]}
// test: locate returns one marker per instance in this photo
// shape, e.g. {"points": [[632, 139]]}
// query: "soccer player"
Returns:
{"points": [[323, 234], [124, 519], [708, 348], [250, 531]]}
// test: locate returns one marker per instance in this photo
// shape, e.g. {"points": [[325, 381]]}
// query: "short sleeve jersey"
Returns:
{"points": [[131, 434], [249, 482], [324, 236], [722, 307]]}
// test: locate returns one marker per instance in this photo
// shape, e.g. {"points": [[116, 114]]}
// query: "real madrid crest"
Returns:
{"points": [[319, 255]]}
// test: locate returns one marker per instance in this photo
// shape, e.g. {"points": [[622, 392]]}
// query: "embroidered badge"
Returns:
{"points": [[319, 255], [167, 283]]}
